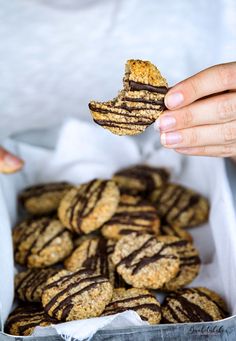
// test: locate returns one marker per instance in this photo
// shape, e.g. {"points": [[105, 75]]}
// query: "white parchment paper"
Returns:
{"points": [[86, 151]]}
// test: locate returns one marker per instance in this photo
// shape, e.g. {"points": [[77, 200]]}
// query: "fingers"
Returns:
{"points": [[217, 151], [213, 80], [201, 136], [214, 110], [9, 163]]}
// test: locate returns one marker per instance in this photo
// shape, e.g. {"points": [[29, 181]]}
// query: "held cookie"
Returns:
{"points": [[141, 178], [180, 206], [189, 262], [24, 319], [93, 253], [144, 262], [77, 295], [193, 305], [44, 198], [85, 208], [29, 284], [139, 218], [138, 105], [41, 242], [142, 301]]}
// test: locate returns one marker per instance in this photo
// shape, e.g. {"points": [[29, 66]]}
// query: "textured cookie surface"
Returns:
{"points": [[139, 300], [139, 218], [138, 105], [41, 242], [24, 319], [144, 262], [189, 262], [86, 208], [76, 295], [193, 305], [180, 206], [44, 198], [93, 253], [141, 178], [168, 230], [29, 284]]}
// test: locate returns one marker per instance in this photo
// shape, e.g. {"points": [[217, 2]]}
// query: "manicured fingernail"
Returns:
{"points": [[171, 138], [174, 99], [12, 161], [166, 122]]}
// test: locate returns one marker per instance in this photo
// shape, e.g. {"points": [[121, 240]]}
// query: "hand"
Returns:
{"points": [[201, 119], [9, 163]]}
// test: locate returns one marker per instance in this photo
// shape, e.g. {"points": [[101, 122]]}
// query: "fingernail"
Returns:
{"points": [[12, 161], [171, 138], [166, 122], [173, 100]]}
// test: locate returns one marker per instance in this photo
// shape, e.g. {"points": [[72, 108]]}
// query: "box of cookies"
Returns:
{"points": [[107, 239]]}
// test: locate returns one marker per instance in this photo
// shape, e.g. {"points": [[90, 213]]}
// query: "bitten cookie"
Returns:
{"points": [[139, 218], [139, 300], [87, 207], [93, 253], [189, 262], [44, 198], [168, 230], [144, 262], [41, 242], [138, 105], [180, 206], [141, 178], [29, 284], [193, 305], [24, 319], [77, 295]]}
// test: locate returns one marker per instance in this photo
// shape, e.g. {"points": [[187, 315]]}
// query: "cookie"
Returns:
{"points": [[41, 242], [85, 208], [189, 262], [77, 295], [93, 253], [180, 206], [44, 198], [168, 230], [144, 262], [29, 284], [24, 319], [141, 178], [140, 300], [139, 218], [193, 305], [138, 105]]}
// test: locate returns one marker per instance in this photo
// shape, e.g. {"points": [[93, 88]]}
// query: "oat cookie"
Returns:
{"points": [[41, 242], [180, 206], [138, 105], [189, 262], [141, 178], [144, 262], [139, 218], [85, 208], [24, 319], [77, 295], [29, 284], [93, 253], [44, 198], [193, 305], [168, 230], [139, 300]]}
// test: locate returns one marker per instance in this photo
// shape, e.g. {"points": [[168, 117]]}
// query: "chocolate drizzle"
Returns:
{"points": [[136, 86]]}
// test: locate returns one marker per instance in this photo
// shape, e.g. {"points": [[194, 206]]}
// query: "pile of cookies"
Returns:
{"points": [[100, 248]]}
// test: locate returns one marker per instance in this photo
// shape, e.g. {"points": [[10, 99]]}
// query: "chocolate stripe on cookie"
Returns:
{"points": [[37, 190], [136, 86], [129, 299], [151, 306]]}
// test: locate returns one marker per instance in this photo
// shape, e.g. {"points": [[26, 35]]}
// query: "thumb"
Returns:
{"points": [[9, 163]]}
